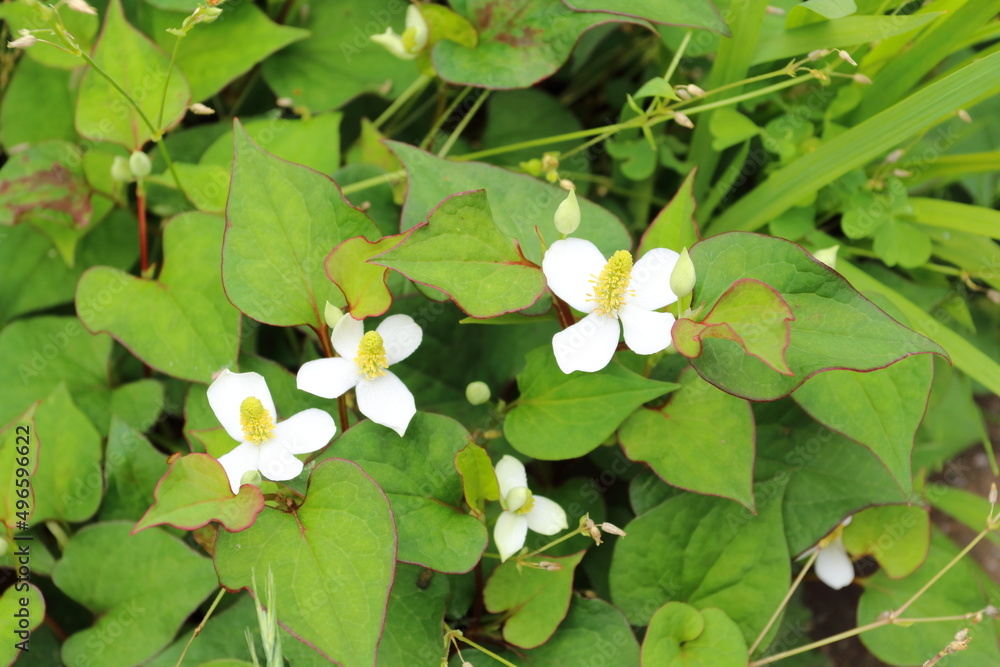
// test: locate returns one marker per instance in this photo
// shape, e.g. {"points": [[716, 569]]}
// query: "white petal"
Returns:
{"points": [[394, 43], [277, 463], [386, 401], [305, 432], [328, 378], [588, 345], [414, 19], [509, 534], [510, 474], [546, 517], [569, 266], [833, 565], [646, 331], [400, 335], [244, 458], [346, 336], [228, 392], [651, 279]]}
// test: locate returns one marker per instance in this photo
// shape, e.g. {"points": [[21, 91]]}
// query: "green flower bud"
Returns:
{"points": [[682, 278], [477, 392], [251, 477], [567, 217], [140, 165], [120, 171], [828, 256], [332, 315]]}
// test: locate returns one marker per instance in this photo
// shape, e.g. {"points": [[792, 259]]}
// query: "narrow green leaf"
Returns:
{"points": [[479, 481], [963, 506], [332, 558], [282, 221], [674, 226], [18, 451], [702, 440], [196, 491], [560, 416], [812, 11], [460, 251], [957, 216], [536, 600], [859, 145]]}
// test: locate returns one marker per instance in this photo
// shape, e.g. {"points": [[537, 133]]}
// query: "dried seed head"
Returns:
{"points": [[845, 56], [964, 115], [861, 78], [200, 109], [613, 529], [682, 119], [894, 156]]}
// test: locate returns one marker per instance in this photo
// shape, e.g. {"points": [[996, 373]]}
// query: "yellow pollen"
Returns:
{"points": [[528, 504], [611, 287], [255, 421], [371, 356]]}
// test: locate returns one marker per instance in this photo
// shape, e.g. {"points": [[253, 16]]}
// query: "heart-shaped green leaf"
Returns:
{"points": [[680, 635], [413, 621], [333, 560], [424, 488], [130, 59], [194, 492], [834, 326], [363, 284], [536, 600], [132, 467], [283, 220], [460, 251], [141, 588], [560, 416], [702, 440], [22, 609], [897, 536], [186, 300]]}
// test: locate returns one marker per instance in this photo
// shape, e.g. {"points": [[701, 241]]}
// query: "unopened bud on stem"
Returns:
{"points": [[477, 392], [140, 165], [682, 278], [567, 217]]}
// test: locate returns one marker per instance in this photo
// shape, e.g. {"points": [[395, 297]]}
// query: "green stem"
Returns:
{"points": [[484, 650], [462, 124], [933, 580], [677, 56], [166, 83], [415, 89], [62, 539], [373, 181], [578, 531], [197, 630], [748, 96], [784, 602], [544, 141], [428, 138]]}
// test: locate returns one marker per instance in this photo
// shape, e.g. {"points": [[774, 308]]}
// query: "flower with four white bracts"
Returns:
{"points": [[411, 42], [833, 564], [363, 363], [522, 510], [609, 291], [243, 405]]}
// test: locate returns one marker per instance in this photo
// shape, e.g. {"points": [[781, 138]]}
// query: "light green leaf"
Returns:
{"points": [[82, 26], [129, 58], [680, 635], [697, 14], [460, 251], [520, 42], [813, 11], [828, 313], [138, 403], [312, 142], [186, 301], [23, 119], [536, 600], [341, 50], [963, 506], [729, 127], [859, 145], [702, 440], [963, 589], [519, 202], [195, 491], [956, 216], [18, 452], [283, 220], [246, 32], [132, 467], [898, 242], [22, 610], [423, 487], [702, 551], [560, 416], [363, 285], [880, 409], [531, 113], [332, 558], [897, 536], [68, 482], [141, 588], [479, 481], [674, 226]]}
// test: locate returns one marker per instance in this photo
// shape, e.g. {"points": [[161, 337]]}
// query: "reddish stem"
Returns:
{"points": [[140, 202], [565, 315]]}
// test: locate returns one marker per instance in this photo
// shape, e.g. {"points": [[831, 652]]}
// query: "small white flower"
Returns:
{"points": [[200, 109], [81, 6], [833, 564], [522, 510], [25, 40], [609, 291], [363, 363], [242, 403], [411, 42]]}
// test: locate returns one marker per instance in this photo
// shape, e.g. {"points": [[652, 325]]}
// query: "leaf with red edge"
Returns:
{"points": [[194, 492], [537, 600], [520, 41], [692, 13], [460, 251], [752, 315], [363, 284]]}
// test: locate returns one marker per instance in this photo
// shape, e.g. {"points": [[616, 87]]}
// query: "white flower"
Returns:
{"points": [[609, 291], [833, 564], [81, 6], [25, 40], [522, 510], [200, 109], [363, 363], [243, 405], [413, 39]]}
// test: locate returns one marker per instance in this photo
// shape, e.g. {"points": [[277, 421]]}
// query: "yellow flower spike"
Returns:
{"points": [[255, 420], [611, 287], [371, 357]]}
